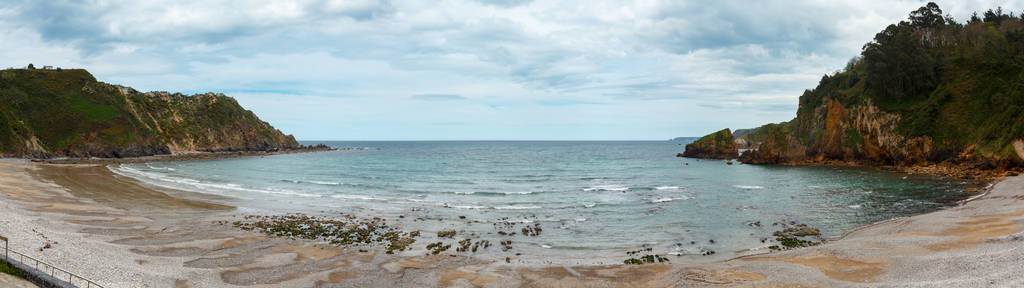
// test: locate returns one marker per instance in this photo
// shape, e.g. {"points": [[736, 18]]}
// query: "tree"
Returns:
{"points": [[898, 65], [929, 16], [975, 18], [30, 66], [996, 16]]}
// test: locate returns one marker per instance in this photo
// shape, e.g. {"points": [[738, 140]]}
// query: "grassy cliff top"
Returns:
{"points": [[67, 112]]}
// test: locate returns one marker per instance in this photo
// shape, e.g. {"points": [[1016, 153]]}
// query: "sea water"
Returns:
{"points": [[593, 200]]}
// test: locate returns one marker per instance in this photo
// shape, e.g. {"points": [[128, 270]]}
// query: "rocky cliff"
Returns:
{"points": [[718, 145], [925, 91], [47, 113]]}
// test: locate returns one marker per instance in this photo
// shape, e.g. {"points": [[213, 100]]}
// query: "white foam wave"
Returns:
{"points": [[667, 199], [469, 207], [581, 219], [514, 207], [668, 188], [167, 181], [518, 193], [748, 187], [357, 197], [854, 206], [606, 188], [160, 168], [325, 183]]}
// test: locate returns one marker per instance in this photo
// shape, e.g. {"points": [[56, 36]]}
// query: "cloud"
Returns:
{"points": [[438, 97], [536, 69]]}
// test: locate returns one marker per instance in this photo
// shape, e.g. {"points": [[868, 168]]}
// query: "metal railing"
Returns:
{"points": [[48, 269]]}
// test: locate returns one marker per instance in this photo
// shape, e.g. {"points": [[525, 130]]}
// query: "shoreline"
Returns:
{"points": [[959, 171], [183, 156], [179, 242]]}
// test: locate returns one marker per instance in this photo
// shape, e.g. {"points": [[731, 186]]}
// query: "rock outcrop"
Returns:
{"points": [[718, 145], [67, 113], [920, 94]]}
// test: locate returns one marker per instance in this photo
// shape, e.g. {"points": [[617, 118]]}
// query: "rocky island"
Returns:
{"points": [[718, 145]]}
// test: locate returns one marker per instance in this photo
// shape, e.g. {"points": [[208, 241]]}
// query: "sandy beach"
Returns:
{"points": [[122, 233]]}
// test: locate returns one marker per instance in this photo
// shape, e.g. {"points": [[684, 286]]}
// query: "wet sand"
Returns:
{"points": [[120, 232]]}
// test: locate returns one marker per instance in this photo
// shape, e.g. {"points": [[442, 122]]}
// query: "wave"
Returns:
{"points": [[356, 197], [160, 168], [748, 187], [489, 193], [606, 188], [668, 188], [162, 180], [854, 206], [514, 207], [326, 183], [477, 207], [667, 199]]}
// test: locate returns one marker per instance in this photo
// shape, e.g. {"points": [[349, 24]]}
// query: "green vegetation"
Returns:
{"points": [[718, 145], [795, 235], [646, 259], [7, 269], [67, 112], [722, 137], [959, 85], [344, 230], [92, 111]]}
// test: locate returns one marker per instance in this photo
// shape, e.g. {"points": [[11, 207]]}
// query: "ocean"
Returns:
{"points": [[594, 200]]}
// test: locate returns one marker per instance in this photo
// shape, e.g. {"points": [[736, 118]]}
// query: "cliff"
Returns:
{"points": [[718, 145], [48, 113], [925, 91]]}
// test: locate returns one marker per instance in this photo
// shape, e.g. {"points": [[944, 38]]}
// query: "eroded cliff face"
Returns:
{"points": [[718, 145], [47, 113], [862, 133]]}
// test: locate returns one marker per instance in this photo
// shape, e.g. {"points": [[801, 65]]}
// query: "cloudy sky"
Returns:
{"points": [[474, 70]]}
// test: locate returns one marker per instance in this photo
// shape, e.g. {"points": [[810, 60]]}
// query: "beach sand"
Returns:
{"points": [[122, 233]]}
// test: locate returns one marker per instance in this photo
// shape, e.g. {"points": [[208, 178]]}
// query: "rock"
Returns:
{"points": [[718, 145], [806, 231]]}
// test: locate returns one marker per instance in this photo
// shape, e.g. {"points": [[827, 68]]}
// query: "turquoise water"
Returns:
{"points": [[594, 200]]}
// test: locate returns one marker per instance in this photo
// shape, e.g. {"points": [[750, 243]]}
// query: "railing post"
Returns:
{"points": [[4, 249]]}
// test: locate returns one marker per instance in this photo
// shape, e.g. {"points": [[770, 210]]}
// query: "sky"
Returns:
{"points": [[468, 70]]}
